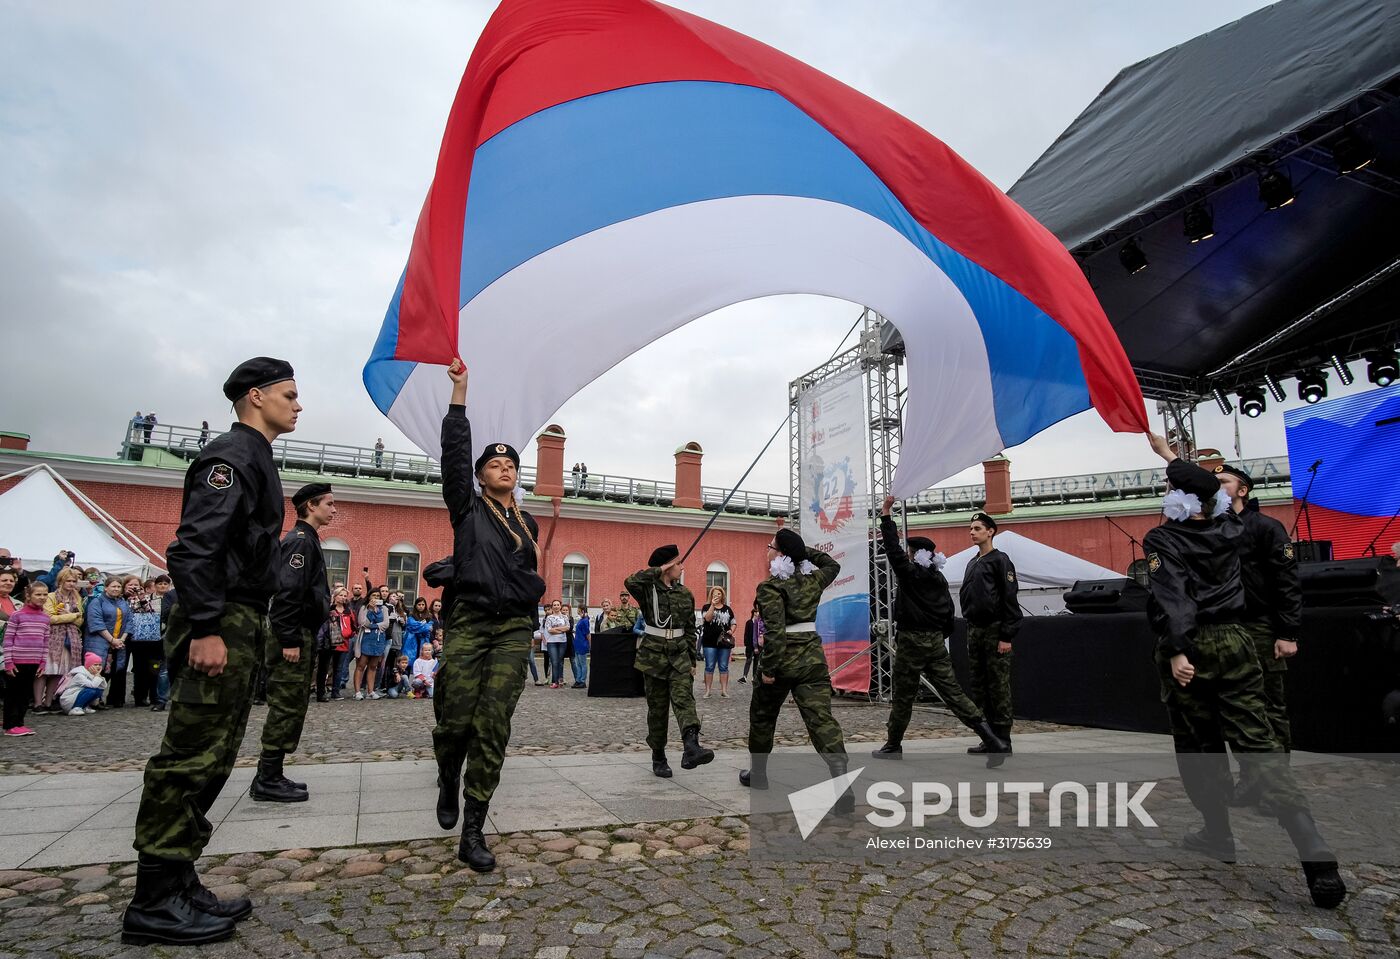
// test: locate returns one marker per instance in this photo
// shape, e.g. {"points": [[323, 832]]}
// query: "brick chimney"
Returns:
{"points": [[688, 476], [14, 441], [549, 462], [997, 476]]}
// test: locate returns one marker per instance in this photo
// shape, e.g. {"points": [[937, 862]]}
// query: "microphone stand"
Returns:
{"points": [[1371, 547], [1131, 539], [1303, 509]]}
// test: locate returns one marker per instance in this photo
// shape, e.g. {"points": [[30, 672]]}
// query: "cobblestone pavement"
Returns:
{"points": [[689, 889], [547, 722]]}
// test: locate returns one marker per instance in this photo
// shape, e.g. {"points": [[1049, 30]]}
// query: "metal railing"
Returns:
{"points": [[337, 459]]}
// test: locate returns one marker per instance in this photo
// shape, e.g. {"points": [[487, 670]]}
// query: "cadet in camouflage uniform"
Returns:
{"points": [[298, 610], [924, 612], [1273, 597], [666, 658], [224, 564], [1211, 679], [793, 660], [495, 563], [623, 615], [993, 614]]}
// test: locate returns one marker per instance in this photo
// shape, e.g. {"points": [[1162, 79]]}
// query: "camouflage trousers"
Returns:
{"points": [[673, 693], [203, 730], [1224, 704], [474, 695], [288, 689], [1275, 702], [803, 673], [991, 674], [922, 653]]}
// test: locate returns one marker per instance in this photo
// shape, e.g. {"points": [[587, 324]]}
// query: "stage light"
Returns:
{"points": [[1343, 371], [1222, 401], [1275, 189], [1198, 223], [1132, 257], [1312, 385], [1275, 387], [1252, 402], [1351, 152], [1382, 368]]}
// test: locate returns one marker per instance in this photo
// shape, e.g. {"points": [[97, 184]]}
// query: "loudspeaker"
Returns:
{"points": [[1313, 551], [1106, 596], [1371, 581]]}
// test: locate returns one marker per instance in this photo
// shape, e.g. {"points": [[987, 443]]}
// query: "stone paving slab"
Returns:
{"points": [[68, 819]]}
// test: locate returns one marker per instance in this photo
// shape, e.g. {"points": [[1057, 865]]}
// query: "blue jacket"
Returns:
{"points": [[581, 636], [102, 614], [50, 579], [640, 626], [415, 634]]}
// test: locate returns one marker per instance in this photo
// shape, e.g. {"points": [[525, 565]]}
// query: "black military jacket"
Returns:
{"points": [[491, 575], [225, 549], [303, 594], [1194, 578], [988, 593], [923, 601], [1270, 574]]}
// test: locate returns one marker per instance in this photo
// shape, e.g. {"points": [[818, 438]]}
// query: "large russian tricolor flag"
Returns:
{"points": [[613, 169]]}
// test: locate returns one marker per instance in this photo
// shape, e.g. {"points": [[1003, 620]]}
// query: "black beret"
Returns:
{"points": [[790, 545], [917, 543], [1244, 477], [1190, 478], [985, 520], [494, 450], [663, 555], [309, 492], [256, 374]]}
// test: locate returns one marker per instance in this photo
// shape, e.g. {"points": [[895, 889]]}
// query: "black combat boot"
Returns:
{"points": [[236, 909], [891, 750], [1319, 863], [1215, 838], [1002, 733], [269, 785], [449, 782], [756, 776], [161, 911], [994, 747], [659, 766], [694, 754], [837, 765], [472, 849]]}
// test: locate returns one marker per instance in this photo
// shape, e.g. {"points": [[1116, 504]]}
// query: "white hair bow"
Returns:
{"points": [[781, 567]]}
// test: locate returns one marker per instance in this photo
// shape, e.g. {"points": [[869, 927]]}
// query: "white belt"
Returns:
{"points": [[800, 628], [664, 633]]}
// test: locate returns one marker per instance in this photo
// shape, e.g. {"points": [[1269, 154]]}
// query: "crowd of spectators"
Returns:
{"points": [[76, 641]]}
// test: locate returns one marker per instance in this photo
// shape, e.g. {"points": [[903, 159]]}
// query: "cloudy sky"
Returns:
{"points": [[186, 185]]}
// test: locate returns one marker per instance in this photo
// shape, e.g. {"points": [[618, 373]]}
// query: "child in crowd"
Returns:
{"points": [[398, 679], [83, 687], [26, 646], [424, 668]]}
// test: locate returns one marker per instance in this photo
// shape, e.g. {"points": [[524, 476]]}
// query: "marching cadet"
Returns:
{"points": [[1273, 597], [993, 614], [793, 660], [224, 564], [924, 612], [298, 610], [666, 657], [1211, 679], [495, 563]]}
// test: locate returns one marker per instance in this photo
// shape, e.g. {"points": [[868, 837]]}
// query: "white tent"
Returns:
{"points": [[1043, 572], [38, 517]]}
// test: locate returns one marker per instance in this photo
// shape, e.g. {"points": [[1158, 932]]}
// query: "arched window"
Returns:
{"points": [[717, 574], [576, 581], [337, 556], [403, 571]]}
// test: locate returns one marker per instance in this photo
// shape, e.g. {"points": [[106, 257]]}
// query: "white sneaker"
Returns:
{"points": [[374, 695], [723, 694], [707, 695], [89, 711], [77, 711], [360, 695]]}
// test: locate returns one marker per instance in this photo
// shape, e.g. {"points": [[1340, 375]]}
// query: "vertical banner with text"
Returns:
{"points": [[834, 499]]}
